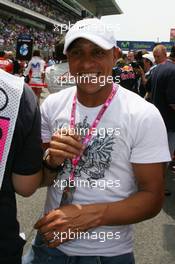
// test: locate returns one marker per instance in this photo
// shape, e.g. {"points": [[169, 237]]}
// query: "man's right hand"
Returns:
{"points": [[64, 144]]}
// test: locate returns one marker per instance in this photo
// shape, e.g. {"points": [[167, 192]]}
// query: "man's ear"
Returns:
{"points": [[116, 54]]}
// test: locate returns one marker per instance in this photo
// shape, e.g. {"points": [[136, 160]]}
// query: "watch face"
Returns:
{"points": [[24, 49]]}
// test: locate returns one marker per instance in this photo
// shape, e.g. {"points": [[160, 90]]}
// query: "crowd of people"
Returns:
{"points": [[130, 156], [44, 8], [10, 30], [148, 75], [44, 40], [133, 69]]}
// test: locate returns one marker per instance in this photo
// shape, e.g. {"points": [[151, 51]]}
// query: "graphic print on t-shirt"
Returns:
{"points": [[4, 121], [97, 155], [36, 65]]}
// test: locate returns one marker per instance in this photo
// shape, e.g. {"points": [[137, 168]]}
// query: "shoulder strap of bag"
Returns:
{"points": [[11, 88]]}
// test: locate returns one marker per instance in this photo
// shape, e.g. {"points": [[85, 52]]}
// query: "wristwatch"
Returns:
{"points": [[49, 167]]}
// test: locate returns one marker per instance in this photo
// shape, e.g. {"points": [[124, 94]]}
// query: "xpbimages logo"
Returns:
{"points": [[63, 28], [84, 183], [100, 236], [67, 78], [102, 132]]}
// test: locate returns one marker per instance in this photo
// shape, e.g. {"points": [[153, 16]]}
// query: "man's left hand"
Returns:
{"points": [[57, 225]]}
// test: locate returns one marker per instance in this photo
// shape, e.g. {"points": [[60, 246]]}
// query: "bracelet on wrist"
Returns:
{"points": [[58, 168]]}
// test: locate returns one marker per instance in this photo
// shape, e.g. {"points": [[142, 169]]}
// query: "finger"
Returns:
{"points": [[55, 224], [50, 236], [54, 235], [55, 153], [54, 244], [58, 239], [47, 218], [53, 238], [67, 140], [64, 147]]}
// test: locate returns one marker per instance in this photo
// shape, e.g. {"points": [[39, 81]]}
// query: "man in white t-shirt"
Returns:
{"points": [[109, 146], [35, 71]]}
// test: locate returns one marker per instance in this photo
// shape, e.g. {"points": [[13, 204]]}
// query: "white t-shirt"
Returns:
{"points": [[135, 133], [36, 65]]}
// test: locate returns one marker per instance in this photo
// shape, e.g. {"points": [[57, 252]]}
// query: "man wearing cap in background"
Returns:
{"points": [[148, 66], [104, 143], [148, 62]]}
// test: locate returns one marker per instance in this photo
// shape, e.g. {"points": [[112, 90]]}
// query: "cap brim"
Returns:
{"points": [[149, 58], [101, 42]]}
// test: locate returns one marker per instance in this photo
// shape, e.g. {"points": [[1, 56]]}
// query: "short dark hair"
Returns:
{"points": [[36, 53]]}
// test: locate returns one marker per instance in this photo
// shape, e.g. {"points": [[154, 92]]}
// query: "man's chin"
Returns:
{"points": [[90, 88]]}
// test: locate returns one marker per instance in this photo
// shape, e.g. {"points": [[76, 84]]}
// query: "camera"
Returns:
{"points": [[135, 64]]}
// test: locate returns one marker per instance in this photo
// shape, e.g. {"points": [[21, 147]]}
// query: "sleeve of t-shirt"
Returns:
{"points": [[27, 136], [46, 131], [150, 144]]}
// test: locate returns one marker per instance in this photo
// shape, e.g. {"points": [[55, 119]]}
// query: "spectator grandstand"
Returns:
{"points": [[46, 8], [38, 18], [10, 30], [44, 37]]}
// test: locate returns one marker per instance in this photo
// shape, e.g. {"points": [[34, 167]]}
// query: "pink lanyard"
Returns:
{"points": [[94, 125]]}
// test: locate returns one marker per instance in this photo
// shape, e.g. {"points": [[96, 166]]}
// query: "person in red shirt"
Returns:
{"points": [[5, 64]]}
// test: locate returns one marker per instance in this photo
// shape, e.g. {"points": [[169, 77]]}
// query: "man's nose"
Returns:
{"points": [[87, 62]]}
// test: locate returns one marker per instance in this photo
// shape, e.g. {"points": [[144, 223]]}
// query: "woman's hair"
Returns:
{"points": [[36, 53]]}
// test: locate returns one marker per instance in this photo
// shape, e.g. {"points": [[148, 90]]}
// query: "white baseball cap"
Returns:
{"points": [[149, 57], [93, 30]]}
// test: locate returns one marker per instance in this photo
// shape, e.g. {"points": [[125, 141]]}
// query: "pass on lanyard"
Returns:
{"points": [[94, 125]]}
